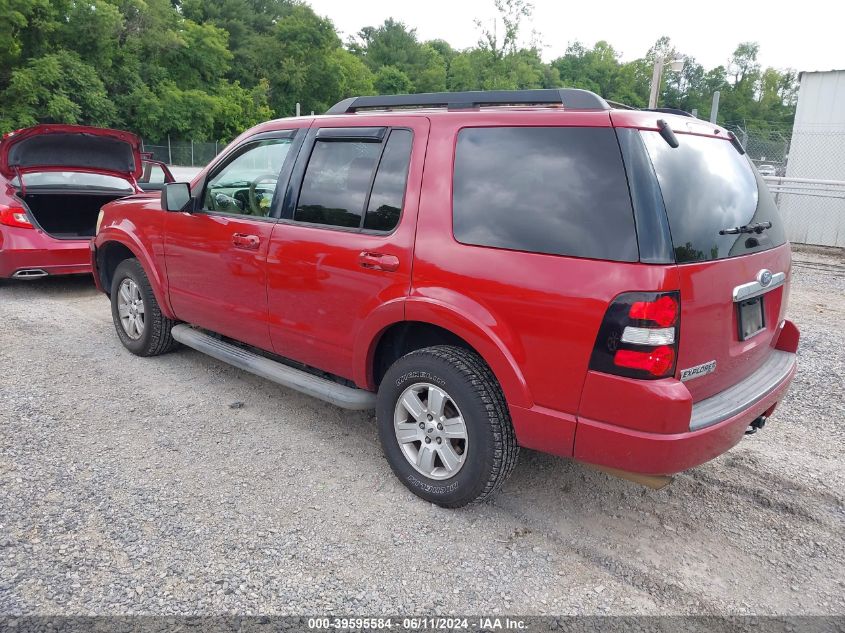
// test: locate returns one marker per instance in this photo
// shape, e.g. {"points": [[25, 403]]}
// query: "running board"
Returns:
{"points": [[309, 384]]}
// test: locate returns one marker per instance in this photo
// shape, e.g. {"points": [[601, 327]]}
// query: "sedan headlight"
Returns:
{"points": [[99, 222]]}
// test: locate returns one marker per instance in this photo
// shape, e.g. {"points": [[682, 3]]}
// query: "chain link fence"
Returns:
{"points": [[183, 153], [804, 168], [768, 149]]}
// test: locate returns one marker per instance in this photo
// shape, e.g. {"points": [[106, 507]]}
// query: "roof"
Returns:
{"points": [[816, 72]]}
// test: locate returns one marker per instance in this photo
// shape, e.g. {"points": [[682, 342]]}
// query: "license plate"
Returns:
{"points": [[750, 318]]}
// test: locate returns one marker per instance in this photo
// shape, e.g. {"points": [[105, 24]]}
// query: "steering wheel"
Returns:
{"points": [[254, 205]]}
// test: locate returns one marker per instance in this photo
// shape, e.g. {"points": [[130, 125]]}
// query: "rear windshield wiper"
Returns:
{"points": [[747, 228]]}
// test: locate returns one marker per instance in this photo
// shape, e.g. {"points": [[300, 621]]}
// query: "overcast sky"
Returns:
{"points": [[804, 35]]}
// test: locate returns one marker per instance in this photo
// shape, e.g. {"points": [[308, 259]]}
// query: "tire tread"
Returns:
{"points": [[161, 340], [479, 375]]}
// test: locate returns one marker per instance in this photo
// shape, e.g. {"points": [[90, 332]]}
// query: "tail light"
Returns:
{"points": [[638, 337], [14, 216]]}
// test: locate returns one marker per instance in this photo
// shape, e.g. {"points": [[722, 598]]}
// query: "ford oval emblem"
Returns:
{"points": [[764, 277]]}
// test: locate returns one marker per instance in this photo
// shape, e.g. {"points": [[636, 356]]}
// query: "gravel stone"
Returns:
{"points": [[124, 490]]}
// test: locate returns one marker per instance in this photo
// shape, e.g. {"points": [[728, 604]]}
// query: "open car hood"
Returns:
{"points": [[70, 147]]}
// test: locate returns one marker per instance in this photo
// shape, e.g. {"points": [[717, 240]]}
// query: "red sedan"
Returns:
{"points": [[53, 181]]}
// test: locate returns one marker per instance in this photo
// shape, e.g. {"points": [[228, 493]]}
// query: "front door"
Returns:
{"points": [[216, 256], [344, 246]]}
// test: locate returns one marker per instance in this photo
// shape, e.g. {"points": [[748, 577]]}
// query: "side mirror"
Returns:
{"points": [[175, 196]]}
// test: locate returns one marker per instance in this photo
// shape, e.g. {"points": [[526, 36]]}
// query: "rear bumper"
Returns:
{"points": [[717, 424], [30, 249], [92, 262]]}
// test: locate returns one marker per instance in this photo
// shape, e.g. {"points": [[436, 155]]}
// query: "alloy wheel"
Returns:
{"points": [[431, 431], [130, 308]]}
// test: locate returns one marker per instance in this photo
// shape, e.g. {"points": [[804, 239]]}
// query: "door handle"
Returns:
{"points": [[249, 242], [378, 261]]}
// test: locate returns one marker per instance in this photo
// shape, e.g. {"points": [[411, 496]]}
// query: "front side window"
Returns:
{"points": [[356, 183], [246, 185], [554, 190]]}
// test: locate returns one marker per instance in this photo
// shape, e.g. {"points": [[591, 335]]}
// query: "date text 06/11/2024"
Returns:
{"points": [[417, 624]]}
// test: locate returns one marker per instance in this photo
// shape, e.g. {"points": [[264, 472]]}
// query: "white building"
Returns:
{"points": [[814, 212]]}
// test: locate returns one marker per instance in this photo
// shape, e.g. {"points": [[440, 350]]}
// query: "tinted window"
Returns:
{"points": [[707, 187], [246, 184], [388, 193], [336, 182], [547, 190]]}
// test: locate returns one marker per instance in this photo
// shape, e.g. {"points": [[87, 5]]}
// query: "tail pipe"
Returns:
{"points": [[29, 273]]}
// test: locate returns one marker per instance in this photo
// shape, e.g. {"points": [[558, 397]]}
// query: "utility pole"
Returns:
{"points": [[714, 109], [677, 65], [655, 82]]}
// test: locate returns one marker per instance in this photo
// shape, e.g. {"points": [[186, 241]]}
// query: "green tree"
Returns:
{"points": [[207, 69], [14, 18], [390, 80], [201, 57], [92, 29], [57, 88], [396, 46], [511, 14]]}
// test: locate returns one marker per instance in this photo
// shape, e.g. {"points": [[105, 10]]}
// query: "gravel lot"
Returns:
{"points": [[180, 485]]}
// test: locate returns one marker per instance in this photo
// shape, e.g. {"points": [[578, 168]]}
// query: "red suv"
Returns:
{"points": [[53, 181], [488, 270]]}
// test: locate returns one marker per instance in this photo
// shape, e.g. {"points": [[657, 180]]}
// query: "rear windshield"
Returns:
{"points": [[555, 190], [709, 187], [73, 180]]}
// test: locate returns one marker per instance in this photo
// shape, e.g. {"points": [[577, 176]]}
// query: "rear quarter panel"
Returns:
{"points": [[534, 317]]}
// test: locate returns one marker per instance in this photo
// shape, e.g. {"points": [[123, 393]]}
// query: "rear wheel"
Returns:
{"points": [[445, 427], [138, 320]]}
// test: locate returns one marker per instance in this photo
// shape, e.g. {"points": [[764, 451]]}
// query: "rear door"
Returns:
{"points": [[216, 256], [344, 246], [733, 262]]}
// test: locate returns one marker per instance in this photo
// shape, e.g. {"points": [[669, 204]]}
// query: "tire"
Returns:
{"points": [[472, 395], [154, 337]]}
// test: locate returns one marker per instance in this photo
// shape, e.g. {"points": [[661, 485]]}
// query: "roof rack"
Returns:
{"points": [[620, 106], [677, 111], [573, 98]]}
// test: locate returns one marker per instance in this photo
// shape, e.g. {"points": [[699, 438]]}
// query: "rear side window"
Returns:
{"points": [[385, 205], [709, 187], [356, 184], [555, 190]]}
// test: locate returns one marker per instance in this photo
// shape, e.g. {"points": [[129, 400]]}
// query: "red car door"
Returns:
{"points": [[340, 257], [216, 256]]}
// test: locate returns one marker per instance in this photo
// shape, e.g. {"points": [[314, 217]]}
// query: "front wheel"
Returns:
{"points": [[445, 427], [138, 320]]}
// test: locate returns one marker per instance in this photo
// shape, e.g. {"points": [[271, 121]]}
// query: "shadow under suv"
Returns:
{"points": [[488, 270]]}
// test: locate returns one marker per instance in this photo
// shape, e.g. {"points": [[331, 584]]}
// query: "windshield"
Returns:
{"points": [[709, 188], [73, 180]]}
